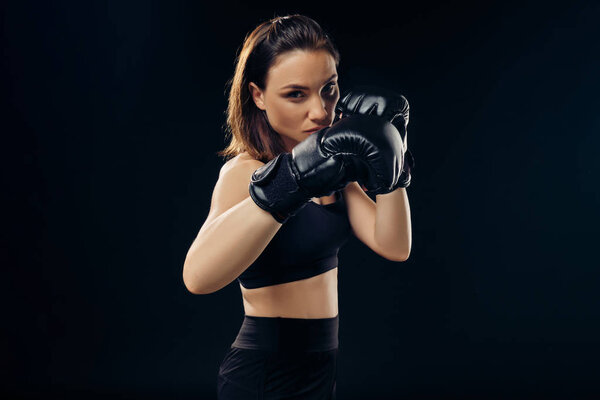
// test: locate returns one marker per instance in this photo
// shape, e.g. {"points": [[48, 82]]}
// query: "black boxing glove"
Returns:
{"points": [[359, 147], [384, 103], [373, 100], [405, 177], [286, 183]]}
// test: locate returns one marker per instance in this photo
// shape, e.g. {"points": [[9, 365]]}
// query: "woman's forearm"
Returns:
{"points": [[226, 247], [392, 221]]}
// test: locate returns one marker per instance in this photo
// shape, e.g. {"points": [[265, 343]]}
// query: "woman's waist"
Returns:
{"points": [[288, 334], [315, 297]]}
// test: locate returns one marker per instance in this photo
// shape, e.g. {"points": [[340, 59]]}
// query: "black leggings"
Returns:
{"points": [[281, 358]]}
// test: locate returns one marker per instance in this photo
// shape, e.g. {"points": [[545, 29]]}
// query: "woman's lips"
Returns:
{"points": [[315, 129]]}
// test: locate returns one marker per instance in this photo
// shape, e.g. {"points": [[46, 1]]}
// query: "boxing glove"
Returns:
{"points": [[384, 103], [359, 147]]}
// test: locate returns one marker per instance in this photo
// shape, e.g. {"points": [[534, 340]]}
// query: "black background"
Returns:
{"points": [[112, 113]]}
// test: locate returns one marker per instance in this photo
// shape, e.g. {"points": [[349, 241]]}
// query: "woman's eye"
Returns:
{"points": [[330, 90], [332, 87]]}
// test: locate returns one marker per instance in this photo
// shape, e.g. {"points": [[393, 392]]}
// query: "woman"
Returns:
{"points": [[277, 232]]}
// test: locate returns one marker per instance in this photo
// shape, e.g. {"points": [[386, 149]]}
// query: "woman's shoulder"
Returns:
{"points": [[242, 158], [232, 185], [245, 156], [241, 161]]}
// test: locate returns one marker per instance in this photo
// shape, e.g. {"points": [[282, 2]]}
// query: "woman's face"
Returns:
{"points": [[300, 93]]}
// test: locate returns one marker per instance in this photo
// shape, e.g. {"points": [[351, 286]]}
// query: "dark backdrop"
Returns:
{"points": [[112, 113]]}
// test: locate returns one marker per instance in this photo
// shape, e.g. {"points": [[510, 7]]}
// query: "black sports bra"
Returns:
{"points": [[306, 245]]}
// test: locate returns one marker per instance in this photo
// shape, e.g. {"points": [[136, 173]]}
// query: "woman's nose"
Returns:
{"points": [[318, 111]]}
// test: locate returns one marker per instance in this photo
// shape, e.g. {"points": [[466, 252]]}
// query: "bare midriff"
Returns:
{"points": [[315, 297]]}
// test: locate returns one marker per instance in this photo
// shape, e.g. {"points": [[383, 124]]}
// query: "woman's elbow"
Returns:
{"points": [[191, 284], [399, 256]]}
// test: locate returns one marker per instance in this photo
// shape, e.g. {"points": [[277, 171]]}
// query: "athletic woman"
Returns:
{"points": [[290, 194]]}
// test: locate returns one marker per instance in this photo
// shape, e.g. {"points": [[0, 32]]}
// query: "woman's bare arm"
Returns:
{"points": [[234, 234]]}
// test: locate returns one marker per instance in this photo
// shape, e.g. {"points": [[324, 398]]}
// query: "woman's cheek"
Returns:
{"points": [[292, 116]]}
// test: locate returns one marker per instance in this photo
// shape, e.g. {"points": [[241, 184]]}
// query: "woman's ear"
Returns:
{"points": [[257, 95]]}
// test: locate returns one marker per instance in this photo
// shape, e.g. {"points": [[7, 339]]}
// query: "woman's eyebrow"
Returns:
{"points": [[296, 86]]}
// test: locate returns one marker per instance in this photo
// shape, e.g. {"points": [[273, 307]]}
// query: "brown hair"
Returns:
{"points": [[247, 125]]}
